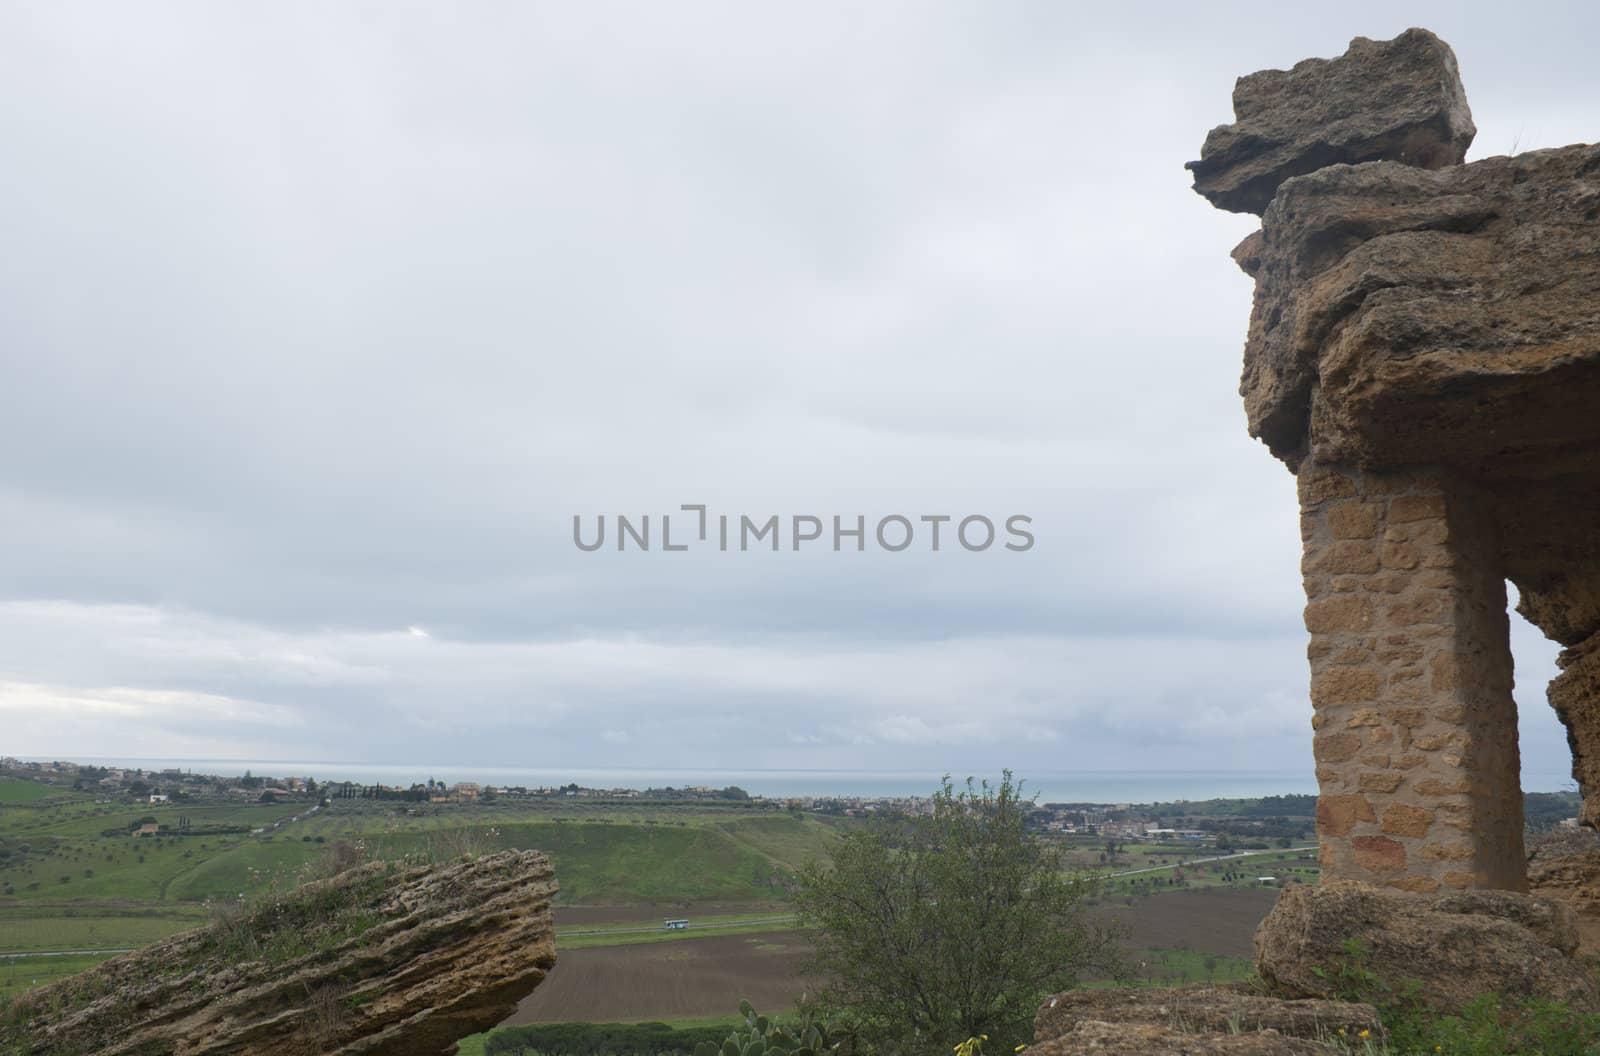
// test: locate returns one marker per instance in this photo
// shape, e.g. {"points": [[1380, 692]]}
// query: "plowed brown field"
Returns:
{"points": [[708, 976], [669, 980]]}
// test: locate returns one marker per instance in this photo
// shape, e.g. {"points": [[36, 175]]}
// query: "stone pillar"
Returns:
{"points": [[1411, 679]]}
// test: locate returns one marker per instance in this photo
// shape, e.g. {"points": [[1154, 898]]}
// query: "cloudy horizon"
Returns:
{"points": [[319, 325]]}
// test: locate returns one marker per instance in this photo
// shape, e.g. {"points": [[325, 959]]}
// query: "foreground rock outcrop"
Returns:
{"points": [[1424, 353], [1324, 939], [1145, 1039], [380, 960], [1196, 1021], [1565, 866]]}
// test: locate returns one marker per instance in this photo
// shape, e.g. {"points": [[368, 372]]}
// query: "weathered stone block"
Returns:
{"points": [[1410, 717], [1446, 852], [1353, 520], [1437, 786], [1407, 508], [1380, 781], [1398, 100], [1333, 615], [1335, 747], [1317, 488], [1428, 608], [1378, 854], [1401, 819], [1345, 685], [1402, 557], [1337, 815]]}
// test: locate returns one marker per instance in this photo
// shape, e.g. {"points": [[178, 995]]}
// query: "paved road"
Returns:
{"points": [[1213, 858], [691, 927]]}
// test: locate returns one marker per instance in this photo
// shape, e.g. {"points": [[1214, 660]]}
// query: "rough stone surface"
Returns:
{"points": [[1202, 1009], [1124, 1039], [1405, 317], [1395, 100], [379, 961], [1411, 682], [1458, 946], [1565, 866], [1424, 352], [1575, 694]]}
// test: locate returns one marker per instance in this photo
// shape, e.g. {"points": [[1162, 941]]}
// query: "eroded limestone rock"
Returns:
{"points": [[1405, 317], [379, 960], [1143, 1039], [1565, 866], [1203, 1010], [1457, 947], [1394, 100]]}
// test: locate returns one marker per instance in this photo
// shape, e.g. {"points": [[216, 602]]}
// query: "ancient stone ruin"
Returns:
{"points": [[1424, 355], [379, 960]]}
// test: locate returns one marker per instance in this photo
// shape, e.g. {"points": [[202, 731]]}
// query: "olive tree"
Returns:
{"points": [[935, 927]]}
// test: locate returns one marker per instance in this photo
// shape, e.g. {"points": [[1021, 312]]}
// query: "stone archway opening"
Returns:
{"points": [[1546, 754]]}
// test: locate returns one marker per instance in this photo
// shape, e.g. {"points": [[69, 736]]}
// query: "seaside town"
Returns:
{"points": [[1276, 817]]}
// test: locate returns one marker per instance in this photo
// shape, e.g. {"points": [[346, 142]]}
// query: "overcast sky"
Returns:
{"points": [[319, 322]]}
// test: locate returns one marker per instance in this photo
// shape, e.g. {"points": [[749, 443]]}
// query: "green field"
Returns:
{"points": [[23, 973], [73, 877], [632, 937], [1237, 872], [15, 791], [1176, 967], [20, 933]]}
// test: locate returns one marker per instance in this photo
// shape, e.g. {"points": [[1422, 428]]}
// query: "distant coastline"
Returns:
{"points": [[1080, 786]]}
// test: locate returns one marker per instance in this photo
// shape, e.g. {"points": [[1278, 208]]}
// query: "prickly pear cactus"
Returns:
{"points": [[760, 1036]]}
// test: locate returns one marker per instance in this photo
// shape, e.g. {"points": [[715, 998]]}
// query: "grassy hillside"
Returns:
{"points": [[15, 791]]}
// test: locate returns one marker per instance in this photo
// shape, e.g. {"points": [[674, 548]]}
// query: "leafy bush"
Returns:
{"points": [[941, 927]]}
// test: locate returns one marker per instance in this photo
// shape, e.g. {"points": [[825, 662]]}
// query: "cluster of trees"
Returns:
{"points": [[1543, 811]]}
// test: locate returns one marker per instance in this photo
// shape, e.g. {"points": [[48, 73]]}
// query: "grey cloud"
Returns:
{"points": [[320, 323]]}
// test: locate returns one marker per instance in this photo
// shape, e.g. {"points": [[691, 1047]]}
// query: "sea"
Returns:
{"points": [[1076, 786]]}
